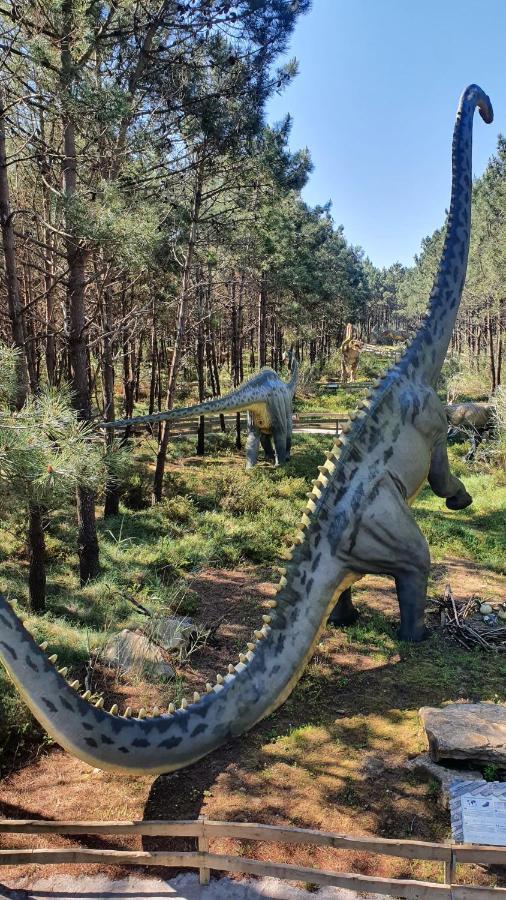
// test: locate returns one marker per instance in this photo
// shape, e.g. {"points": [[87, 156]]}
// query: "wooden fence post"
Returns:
{"points": [[203, 845], [450, 868]]}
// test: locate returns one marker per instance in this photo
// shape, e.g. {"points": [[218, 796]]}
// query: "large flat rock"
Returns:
{"points": [[468, 731]]}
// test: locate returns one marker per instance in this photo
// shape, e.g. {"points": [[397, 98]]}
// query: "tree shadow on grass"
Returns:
{"points": [[335, 750]]}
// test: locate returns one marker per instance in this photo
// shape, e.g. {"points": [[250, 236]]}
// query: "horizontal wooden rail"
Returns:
{"points": [[204, 830], [388, 847], [155, 827], [188, 859]]}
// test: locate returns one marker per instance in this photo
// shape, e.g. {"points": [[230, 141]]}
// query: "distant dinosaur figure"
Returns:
{"points": [[350, 353], [268, 401], [357, 521], [473, 419]]}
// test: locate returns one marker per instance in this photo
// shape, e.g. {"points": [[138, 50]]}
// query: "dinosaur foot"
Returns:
{"points": [[344, 613], [341, 621], [459, 501], [412, 636]]}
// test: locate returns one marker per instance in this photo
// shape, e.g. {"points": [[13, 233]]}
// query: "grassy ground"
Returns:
{"points": [[332, 756]]}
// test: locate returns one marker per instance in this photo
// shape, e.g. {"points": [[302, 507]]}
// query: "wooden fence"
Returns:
{"points": [[448, 854]]}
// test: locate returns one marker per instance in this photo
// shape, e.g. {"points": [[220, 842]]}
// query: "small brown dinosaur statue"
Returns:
{"points": [[350, 353]]}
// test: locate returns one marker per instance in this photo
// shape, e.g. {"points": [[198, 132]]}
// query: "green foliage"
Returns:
{"points": [[45, 452], [499, 445], [8, 375]]}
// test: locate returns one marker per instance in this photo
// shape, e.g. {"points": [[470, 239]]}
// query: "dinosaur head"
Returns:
{"points": [[482, 102]]}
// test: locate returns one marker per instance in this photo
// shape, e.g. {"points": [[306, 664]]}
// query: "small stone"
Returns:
{"points": [[373, 766], [485, 609]]}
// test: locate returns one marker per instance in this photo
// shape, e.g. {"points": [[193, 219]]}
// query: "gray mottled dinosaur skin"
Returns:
{"points": [[269, 402], [358, 521]]}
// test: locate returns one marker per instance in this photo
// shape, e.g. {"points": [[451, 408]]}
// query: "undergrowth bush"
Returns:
{"points": [[464, 381], [499, 444]]}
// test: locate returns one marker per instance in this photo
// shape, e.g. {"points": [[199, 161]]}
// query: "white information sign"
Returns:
{"points": [[483, 819]]}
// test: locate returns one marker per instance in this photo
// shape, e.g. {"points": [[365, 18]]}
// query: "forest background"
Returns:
{"points": [[156, 245]]}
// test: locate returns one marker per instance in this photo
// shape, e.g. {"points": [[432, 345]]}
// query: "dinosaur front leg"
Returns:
{"points": [[252, 445], [441, 480], [344, 613]]}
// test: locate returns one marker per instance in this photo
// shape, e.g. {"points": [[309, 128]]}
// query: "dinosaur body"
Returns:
{"points": [[358, 521], [350, 353], [268, 401]]}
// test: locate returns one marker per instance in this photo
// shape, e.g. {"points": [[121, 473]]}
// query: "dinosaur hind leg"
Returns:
{"points": [[266, 442], [344, 613], [279, 438], [389, 542], [411, 587]]}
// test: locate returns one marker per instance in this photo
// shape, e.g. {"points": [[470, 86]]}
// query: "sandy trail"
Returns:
{"points": [[183, 887]]}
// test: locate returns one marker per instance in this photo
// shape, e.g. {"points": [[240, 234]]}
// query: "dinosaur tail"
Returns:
{"points": [[244, 397], [428, 349], [254, 687]]}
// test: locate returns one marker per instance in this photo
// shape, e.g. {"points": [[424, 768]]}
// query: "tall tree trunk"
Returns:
{"points": [[154, 362], [493, 378], [200, 357], [111, 505], [37, 559], [11, 271], [182, 315], [76, 261], [262, 323]]}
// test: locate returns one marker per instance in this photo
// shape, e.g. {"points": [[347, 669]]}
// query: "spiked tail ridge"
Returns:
{"points": [[428, 349], [252, 688]]}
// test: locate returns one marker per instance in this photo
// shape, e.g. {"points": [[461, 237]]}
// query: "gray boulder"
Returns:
{"points": [[131, 651], [466, 731]]}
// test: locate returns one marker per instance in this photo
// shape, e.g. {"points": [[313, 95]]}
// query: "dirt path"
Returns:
{"points": [[183, 887], [331, 758]]}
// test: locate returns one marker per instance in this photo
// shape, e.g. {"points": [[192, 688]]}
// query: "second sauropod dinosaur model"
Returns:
{"points": [[358, 520], [268, 401]]}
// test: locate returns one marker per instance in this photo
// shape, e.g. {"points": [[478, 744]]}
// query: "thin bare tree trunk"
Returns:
{"points": [[37, 559], [262, 323], [11, 270], [180, 331]]}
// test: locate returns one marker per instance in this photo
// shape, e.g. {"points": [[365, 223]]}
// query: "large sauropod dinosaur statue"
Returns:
{"points": [[357, 521], [269, 403]]}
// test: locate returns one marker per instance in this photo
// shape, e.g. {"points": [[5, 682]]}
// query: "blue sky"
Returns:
{"points": [[375, 100]]}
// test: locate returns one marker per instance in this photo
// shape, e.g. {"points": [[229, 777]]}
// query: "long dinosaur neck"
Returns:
{"points": [[254, 687], [428, 350]]}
